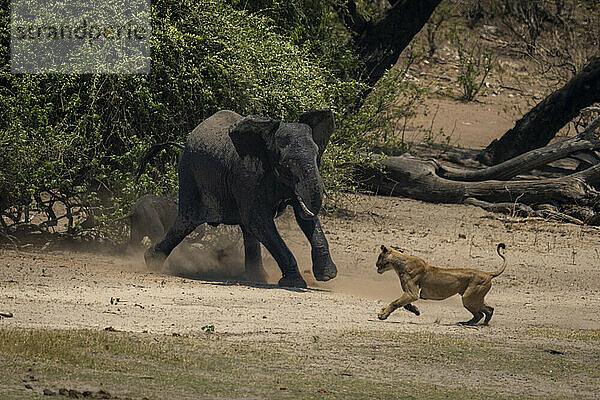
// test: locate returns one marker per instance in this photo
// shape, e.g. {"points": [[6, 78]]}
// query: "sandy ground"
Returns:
{"points": [[549, 292], [548, 297], [552, 279], [551, 284]]}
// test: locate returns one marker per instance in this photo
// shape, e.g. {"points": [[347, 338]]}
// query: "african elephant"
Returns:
{"points": [[245, 171]]}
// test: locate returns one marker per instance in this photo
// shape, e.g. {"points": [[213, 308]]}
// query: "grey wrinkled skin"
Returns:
{"points": [[244, 171], [151, 216]]}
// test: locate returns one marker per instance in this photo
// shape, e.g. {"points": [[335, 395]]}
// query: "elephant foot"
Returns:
{"points": [[154, 259], [293, 281], [324, 271]]}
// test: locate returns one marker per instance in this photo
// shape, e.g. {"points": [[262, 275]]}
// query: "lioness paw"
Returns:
{"points": [[412, 309]]}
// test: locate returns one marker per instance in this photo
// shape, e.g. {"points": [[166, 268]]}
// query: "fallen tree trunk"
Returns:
{"points": [[572, 198], [585, 141], [412, 177]]}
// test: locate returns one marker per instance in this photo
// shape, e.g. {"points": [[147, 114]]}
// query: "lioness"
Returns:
{"points": [[421, 280]]}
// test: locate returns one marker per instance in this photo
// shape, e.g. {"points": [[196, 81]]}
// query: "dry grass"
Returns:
{"points": [[351, 364]]}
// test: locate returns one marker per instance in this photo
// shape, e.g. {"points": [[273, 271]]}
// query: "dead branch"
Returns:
{"points": [[512, 209], [577, 145], [540, 125], [415, 178], [572, 198]]}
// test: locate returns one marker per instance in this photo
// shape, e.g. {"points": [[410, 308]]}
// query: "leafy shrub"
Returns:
{"points": [[474, 65], [311, 24], [378, 126], [77, 139]]}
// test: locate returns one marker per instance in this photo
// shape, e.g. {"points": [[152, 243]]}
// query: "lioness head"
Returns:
{"points": [[388, 258]]}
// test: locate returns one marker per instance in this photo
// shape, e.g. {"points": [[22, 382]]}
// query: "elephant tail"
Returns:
{"points": [[151, 152]]}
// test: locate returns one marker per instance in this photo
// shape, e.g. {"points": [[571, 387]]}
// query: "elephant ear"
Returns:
{"points": [[254, 135], [322, 124]]}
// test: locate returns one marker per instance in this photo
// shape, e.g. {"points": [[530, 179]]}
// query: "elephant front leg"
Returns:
{"points": [[253, 260], [323, 267], [266, 232]]}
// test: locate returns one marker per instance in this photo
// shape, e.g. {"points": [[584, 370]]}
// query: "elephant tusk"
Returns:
{"points": [[304, 208]]}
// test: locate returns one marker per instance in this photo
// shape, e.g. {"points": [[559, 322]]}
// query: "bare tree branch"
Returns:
{"points": [[541, 124], [586, 140]]}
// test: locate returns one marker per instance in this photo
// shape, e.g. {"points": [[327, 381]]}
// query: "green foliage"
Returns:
{"points": [[77, 139], [73, 143], [474, 65], [379, 125], [311, 24], [389, 107]]}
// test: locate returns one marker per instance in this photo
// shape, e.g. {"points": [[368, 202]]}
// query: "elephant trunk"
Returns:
{"points": [[309, 194]]}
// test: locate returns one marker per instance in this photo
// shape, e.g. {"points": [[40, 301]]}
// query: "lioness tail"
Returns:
{"points": [[501, 270]]}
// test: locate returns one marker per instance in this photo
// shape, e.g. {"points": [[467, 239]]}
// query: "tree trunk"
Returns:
{"points": [[540, 125], [418, 179], [380, 42], [577, 145]]}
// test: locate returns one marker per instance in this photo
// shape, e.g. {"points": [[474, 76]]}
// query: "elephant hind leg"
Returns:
{"points": [[253, 260], [184, 225], [189, 216]]}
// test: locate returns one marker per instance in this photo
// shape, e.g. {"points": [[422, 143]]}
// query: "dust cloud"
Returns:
{"points": [[218, 254], [214, 254]]}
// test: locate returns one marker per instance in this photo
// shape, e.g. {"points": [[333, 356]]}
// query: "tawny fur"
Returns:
{"points": [[421, 280]]}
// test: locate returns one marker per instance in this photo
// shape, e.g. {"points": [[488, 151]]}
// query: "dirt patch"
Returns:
{"points": [[547, 299], [546, 261]]}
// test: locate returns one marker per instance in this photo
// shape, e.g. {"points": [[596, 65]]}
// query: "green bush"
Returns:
{"points": [[313, 25], [474, 64], [77, 139]]}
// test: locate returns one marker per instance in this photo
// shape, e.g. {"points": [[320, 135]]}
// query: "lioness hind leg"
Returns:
{"points": [[413, 309], [488, 311], [473, 321], [473, 301]]}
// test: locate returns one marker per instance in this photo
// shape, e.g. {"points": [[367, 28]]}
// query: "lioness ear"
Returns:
{"points": [[384, 249]]}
